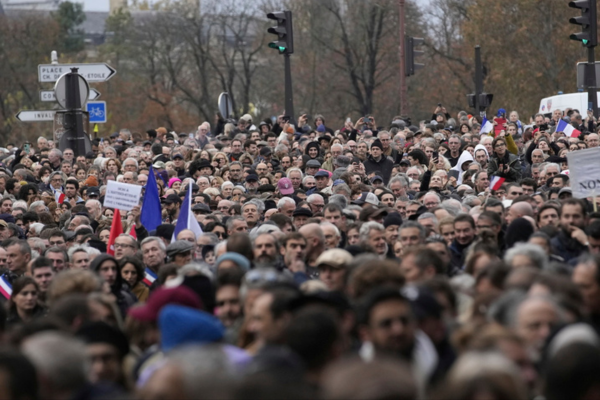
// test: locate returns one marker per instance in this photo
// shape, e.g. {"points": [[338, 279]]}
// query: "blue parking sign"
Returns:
{"points": [[97, 111]]}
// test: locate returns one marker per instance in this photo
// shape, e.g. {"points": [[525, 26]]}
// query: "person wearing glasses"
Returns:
{"points": [[503, 163], [125, 245]]}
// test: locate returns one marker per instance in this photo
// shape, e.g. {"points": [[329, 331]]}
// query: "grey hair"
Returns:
{"points": [[149, 239], [260, 205], [265, 229], [131, 159], [313, 197], [202, 268], [470, 200], [415, 224], [335, 228], [453, 206], [285, 200], [551, 165], [56, 152], [366, 229], [398, 178], [306, 179], [36, 227], [60, 358], [532, 251], [83, 248], [295, 170], [428, 215], [339, 199], [472, 367], [214, 239]]}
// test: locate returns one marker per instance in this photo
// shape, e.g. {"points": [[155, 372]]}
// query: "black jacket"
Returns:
{"points": [[513, 175], [384, 165]]}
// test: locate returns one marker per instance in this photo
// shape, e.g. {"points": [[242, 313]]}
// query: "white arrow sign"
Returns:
{"points": [[91, 72], [36, 116], [48, 95]]}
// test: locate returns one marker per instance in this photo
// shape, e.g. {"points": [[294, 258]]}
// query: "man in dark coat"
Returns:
{"points": [[378, 162]]}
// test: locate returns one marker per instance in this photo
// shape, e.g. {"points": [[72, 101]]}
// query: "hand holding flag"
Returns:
{"points": [[186, 219], [568, 129], [486, 126]]}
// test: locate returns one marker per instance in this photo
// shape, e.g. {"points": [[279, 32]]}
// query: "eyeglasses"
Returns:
{"points": [[122, 246], [223, 208], [499, 145]]}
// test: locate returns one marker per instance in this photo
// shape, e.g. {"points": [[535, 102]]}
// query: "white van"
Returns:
{"points": [[578, 101]]}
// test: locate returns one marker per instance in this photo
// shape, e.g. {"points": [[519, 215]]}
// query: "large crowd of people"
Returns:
{"points": [[436, 259]]}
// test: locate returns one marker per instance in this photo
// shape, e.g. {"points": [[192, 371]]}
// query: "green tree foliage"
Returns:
{"points": [[69, 17]]}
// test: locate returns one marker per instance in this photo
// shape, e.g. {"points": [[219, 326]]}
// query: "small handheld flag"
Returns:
{"points": [[115, 230], [496, 182], [568, 129], [186, 219], [486, 126], [151, 211]]}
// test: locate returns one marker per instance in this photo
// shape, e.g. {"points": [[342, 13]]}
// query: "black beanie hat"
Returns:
{"points": [[377, 143]]}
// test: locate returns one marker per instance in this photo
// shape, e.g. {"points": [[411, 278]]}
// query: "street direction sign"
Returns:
{"points": [[48, 95], [100, 72], [36, 116], [97, 111]]}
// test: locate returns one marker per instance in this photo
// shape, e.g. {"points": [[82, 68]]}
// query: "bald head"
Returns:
{"points": [[312, 230], [518, 210], [523, 209]]}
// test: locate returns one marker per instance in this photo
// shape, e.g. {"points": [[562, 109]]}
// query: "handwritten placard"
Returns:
{"points": [[123, 196]]}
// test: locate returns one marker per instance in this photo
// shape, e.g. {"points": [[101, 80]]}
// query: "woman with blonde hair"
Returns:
{"points": [[220, 160]]}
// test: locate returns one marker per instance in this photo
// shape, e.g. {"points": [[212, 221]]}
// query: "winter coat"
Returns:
{"points": [[513, 175], [384, 165]]}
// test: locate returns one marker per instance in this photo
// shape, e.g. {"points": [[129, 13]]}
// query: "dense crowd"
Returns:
{"points": [[439, 259]]}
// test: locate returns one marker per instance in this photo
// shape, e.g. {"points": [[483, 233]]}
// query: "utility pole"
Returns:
{"points": [[403, 86]]}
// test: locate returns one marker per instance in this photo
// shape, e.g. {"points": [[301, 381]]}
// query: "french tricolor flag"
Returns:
{"points": [[59, 197], [568, 129], [149, 277], [486, 126], [496, 182], [5, 287]]}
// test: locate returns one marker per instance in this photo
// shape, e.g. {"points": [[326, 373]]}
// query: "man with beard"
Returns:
{"points": [[266, 250], [386, 321], [571, 241], [229, 306]]}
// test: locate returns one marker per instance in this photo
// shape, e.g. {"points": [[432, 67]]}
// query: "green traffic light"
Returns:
{"points": [[584, 41]]}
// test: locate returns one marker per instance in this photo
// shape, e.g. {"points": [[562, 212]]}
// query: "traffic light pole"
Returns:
{"points": [[590, 81], [289, 96], [403, 86], [478, 81]]}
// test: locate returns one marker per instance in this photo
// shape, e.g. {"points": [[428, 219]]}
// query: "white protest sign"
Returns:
{"points": [[123, 196], [584, 172]]}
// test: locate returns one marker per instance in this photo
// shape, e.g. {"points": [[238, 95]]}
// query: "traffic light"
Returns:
{"points": [[410, 54], [284, 31], [485, 100], [589, 25]]}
